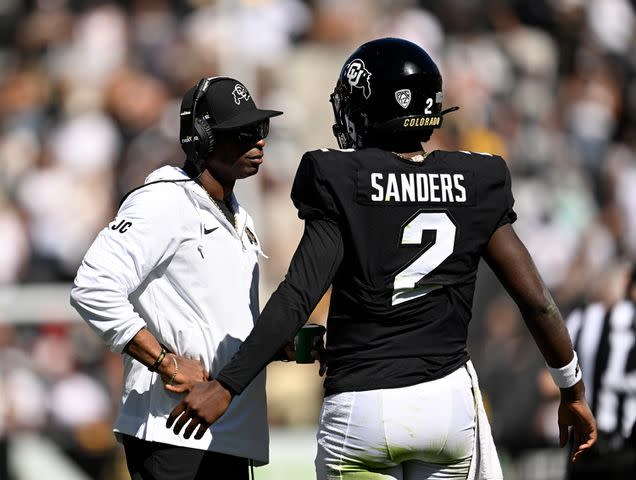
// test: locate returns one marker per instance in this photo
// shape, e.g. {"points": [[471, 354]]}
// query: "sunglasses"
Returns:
{"points": [[253, 132]]}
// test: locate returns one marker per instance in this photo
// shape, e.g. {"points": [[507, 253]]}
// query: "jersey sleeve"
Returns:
{"points": [[310, 273], [311, 193], [508, 201]]}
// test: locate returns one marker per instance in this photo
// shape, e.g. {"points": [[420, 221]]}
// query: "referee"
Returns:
{"points": [[605, 339]]}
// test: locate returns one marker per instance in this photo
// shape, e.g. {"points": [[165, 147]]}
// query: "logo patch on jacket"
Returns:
{"points": [[122, 226], [250, 236]]}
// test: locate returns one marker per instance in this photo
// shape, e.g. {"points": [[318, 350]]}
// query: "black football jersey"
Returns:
{"points": [[413, 234]]}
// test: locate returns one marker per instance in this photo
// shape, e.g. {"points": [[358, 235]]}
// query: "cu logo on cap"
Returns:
{"points": [[240, 93], [358, 76]]}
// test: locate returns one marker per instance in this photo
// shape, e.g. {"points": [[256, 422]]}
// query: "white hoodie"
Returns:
{"points": [[171, 262]]}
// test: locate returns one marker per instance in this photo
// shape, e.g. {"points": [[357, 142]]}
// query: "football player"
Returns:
{"points": [[399, 232]]}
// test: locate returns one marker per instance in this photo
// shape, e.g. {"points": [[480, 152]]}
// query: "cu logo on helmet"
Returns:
{"points": [[358, 76], [240, 93]]}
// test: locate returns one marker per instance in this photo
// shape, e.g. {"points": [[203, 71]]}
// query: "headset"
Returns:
{"points": [[202, 136]]}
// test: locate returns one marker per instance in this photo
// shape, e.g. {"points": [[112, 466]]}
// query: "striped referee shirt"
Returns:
{"points": [[605, 340]]}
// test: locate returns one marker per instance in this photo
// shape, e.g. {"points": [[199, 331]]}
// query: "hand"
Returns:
{"points": [[288, 353], [574, 411], [189, 372], [205, 403], [318, 352]]}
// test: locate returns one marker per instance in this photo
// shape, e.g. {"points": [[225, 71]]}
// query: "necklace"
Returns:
{"points": [[415, 158], [224, 209]]}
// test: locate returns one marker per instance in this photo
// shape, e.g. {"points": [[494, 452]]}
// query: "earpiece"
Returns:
{"points": [[202, 134], [205, 145], [203, 137], [196, 136]]}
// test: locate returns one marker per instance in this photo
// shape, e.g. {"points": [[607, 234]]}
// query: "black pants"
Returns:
{"points": [[4, 457], [604, 465], [159, 461]]}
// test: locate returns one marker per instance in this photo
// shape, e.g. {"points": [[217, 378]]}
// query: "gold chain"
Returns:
{"points": [[218, 207], [420, 157]]}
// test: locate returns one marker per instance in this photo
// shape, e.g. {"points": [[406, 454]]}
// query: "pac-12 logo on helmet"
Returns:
{"points": [[358, 76], [240, 92], [403, 97]]}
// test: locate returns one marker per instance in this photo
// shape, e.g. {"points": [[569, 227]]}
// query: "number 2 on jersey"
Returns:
{"points": [[404, 285]]}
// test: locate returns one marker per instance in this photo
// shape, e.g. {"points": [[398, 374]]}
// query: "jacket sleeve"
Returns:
{"points": [[144, 235]]}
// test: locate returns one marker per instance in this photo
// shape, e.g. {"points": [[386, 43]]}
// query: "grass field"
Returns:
{"points": [[291, 453]]}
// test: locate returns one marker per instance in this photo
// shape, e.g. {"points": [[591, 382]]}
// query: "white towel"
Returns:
{"points": [[485, 464]]}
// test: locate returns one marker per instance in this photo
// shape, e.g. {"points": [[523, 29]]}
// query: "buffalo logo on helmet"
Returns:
{"points": [[403, 97], [358, 76], [240, 93]]}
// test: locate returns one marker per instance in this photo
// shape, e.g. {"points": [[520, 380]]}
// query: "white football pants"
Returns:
{"points": [[421, 432]]}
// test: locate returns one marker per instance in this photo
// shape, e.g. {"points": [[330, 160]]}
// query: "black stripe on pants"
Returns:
{"points": [[159, 461]]}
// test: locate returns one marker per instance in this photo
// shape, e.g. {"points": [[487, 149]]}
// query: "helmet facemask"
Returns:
{"points": [[349, 125]]}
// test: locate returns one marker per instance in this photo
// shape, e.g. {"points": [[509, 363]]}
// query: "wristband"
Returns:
{"points": [[568, 375], [155, 366]]}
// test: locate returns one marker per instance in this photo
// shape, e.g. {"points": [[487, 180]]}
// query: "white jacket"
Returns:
{"points": [[171, 262]]}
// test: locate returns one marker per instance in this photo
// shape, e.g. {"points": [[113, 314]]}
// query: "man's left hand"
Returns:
{"points": [[575, 412], [206, 402]]}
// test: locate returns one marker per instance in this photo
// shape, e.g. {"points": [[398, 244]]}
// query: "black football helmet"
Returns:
{"points": [[387, 86]]}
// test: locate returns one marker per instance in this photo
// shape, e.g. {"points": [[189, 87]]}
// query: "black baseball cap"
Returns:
{"points": [[226, 104]]}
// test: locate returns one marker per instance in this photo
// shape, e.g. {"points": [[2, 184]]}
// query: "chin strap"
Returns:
{"points": [[344, 140], [449, 110]]}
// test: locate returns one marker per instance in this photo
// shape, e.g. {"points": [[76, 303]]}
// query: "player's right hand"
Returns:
{"points": [[318, 352], [205, 403], [575, 412]]}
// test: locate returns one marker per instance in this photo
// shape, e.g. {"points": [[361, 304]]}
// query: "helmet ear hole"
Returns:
{"points": [[351, 128]]}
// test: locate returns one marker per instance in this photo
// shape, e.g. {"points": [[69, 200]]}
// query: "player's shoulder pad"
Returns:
{"points": [[329, 153], [477, 155], [336, 150], [329, 158], [483, 156], [485, 160]]}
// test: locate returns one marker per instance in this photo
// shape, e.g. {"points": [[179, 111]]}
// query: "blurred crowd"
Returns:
{"points": [[89, 99]]}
